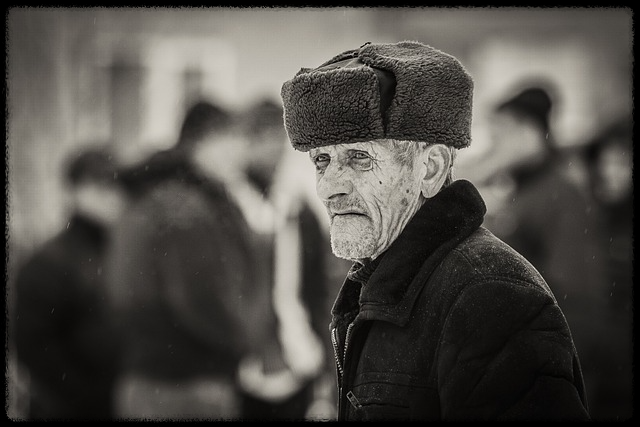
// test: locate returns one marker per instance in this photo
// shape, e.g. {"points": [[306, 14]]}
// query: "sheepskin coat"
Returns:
{"points": [[450, 323]]}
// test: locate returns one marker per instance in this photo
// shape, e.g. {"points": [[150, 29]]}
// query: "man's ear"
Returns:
{"points": [[436, 162]]}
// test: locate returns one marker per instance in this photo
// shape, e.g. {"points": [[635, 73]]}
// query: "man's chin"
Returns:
{"points": [[351, 237], [351, 250]]}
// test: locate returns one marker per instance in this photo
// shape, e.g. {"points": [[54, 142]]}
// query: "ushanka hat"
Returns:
{"points": [[403, 91]]}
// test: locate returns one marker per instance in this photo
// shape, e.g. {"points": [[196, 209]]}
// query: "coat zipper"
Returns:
{"points": [[336, 353], [341, 362], [346, 343], [340, 359]]}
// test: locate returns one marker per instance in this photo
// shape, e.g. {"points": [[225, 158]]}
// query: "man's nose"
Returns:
{"points": [[334, 182]]}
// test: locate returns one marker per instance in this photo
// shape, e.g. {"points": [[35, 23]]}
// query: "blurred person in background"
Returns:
{"points": [[63, 325], [546, 215], [184, 276], [297, 261], [437, 319], [609, 157]]}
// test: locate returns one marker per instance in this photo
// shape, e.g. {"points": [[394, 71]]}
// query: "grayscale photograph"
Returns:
{"points": [[319, 214]]}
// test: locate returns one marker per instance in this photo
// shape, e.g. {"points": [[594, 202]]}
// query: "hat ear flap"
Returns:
{"points": [[435, 162]]}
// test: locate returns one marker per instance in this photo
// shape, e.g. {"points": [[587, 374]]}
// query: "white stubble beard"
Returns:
{"points": [[352, 238]]}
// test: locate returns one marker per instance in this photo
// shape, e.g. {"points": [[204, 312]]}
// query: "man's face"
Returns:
{"points": [[615, 173], [516, 142], [370, 195], [222, 155], [102, 201]]}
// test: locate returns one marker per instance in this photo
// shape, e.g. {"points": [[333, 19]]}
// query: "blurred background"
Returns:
{"points": [[127, 75]]}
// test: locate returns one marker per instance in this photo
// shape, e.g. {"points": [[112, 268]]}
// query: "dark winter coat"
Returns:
{"points": [[183, 274], [63, 329], [453, 324]]}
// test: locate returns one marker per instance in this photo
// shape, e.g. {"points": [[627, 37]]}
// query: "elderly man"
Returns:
{"points": [[437, 319]]}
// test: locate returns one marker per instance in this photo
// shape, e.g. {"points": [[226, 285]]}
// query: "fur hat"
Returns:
{"points": [[404, 91]]}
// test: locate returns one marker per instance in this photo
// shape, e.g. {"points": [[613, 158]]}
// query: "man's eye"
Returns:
{"points": [[361, 160], [321, 161]]}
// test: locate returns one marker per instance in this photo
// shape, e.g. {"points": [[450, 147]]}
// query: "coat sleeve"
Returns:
{"points": [[506, 353]]}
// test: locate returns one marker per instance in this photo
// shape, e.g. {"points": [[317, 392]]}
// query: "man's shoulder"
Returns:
{"points": [[483, 257], [484, 268], [56, 256], [172, 201]]}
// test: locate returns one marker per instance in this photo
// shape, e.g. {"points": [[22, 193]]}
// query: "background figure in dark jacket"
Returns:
{"points": [[548, 217], [437, 319], [184, 277], [62, 327]]}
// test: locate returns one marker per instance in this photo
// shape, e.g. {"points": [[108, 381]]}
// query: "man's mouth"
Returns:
{"points": [[346, 213]]}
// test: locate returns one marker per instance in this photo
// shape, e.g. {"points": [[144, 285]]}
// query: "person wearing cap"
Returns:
{"points": [[545, 213], [437, 319], [183, 276], [64, 336]]}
